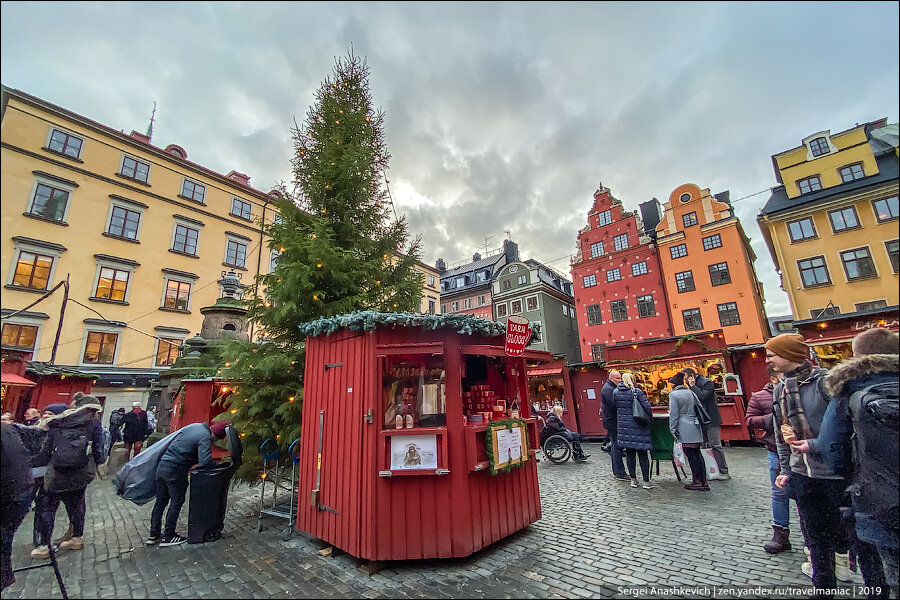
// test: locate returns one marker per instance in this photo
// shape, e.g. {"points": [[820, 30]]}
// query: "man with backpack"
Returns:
{"points": [[73, 448], [859, 439]]}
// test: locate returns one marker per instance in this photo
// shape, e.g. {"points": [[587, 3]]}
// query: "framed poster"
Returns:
{"points": [[507, 445], [413, 452]]}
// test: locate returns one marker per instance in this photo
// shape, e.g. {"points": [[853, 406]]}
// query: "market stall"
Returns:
{"points": [[830, 338], [417, 437], [548, 385]]}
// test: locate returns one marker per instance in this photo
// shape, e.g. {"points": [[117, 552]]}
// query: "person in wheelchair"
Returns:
{"points": [[555, 426]]}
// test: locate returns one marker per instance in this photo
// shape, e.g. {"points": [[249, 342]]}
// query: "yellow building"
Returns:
{"points": [[142, 234], [431, 289], [831, 226]]}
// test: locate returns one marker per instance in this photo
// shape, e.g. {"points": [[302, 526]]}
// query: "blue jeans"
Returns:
{"points": [[781, 503], [615, 453]]}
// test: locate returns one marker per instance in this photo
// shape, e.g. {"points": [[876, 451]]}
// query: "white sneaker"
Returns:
{"points": [[842, 567], [648, 486], [724, 476], [806, 569], [634, 484]]}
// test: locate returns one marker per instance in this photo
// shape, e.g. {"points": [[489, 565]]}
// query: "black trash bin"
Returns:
{"points": [[209, 494]]}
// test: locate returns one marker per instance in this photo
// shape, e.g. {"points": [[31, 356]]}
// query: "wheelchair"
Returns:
{"points": [[556, 448]]}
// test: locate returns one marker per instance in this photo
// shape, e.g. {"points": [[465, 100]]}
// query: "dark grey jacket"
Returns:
{"points": [[706, 391], [192, 446], [683, 422]]}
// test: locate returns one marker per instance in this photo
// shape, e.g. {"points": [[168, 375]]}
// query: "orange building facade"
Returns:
{"points": [[707, 263]]}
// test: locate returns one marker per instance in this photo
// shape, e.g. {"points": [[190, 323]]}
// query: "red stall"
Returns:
{"points": [[397, 413], [548, 386]]}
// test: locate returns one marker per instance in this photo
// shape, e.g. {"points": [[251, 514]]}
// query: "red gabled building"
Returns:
{"points": [[620, 297]]}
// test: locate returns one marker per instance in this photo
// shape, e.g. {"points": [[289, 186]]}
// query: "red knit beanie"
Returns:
{"points": [[789, 346], [218, 429]]}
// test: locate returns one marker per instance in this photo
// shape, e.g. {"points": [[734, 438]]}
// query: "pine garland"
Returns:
{"points": [[371, 320], [673, 352], [488, 439]]}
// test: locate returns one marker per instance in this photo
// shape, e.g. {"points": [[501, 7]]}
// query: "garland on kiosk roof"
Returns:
{"points": [[685, 338], [488, 438], [369, 320]]}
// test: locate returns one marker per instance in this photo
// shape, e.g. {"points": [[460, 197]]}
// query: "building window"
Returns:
{"points": [[507, 284], [240, 208], [135, 169], [467, 303], [49, 202], [590, 281], [678, 251], [684, 281], [65, 143], [874, 304], [689, 219], [728, 314], [431, 280], [619, 310], [858, 264], [277, 219], [712, 241], [891, 247], [597, 352], [531, 303], [481, 300], [443, 308], [594, 316], [613, 275], [829, 311], [604, 218], [501, 310], [167, 351], [565, 309], [19, 336], [718, 274], [597, 249], [454, 306], [620, 242], [235, 254], [432, 306], [639, 268], [819, 146], [886, 209], [692, 319], [801, 230], [851, 172], [814, 271], [112, 284], [32, 270], [124, 223], [522, 279], [515, 307], [273, 260], [194, 191], [185, 239], [809, 184], [178, 295], [645, 306], [100, 348], [843, 219]]}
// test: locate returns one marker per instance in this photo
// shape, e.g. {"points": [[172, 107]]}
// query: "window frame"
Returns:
{"points": [[890, 216], [590, 280], [522, 279], [69, 135], [598, 352], [37, 247], [14, 271], [512, 307], [718, 274], [731, 312], [528, 302], [881, 302], [502, 310], [189, 227], [604, 218], [646, 304], [116, 269], [815, 146], [53, 184], [431, 279], [852, 172], [894, 258], [172, 346], [812, 223], [594, 314], [639, 268], [614, 274], [695, 312], [871, 261], [811, 267], [595, 246], [229, 240], [622, 237], [129, 209], [676, 251], [841, 211], [454, 306], [716, 237], [14, 322], [685, 276], [692, 217], [813, 183], [137, 162], [242, 204], [104, 331], [193, 197], [180, 280], [618, 308]]}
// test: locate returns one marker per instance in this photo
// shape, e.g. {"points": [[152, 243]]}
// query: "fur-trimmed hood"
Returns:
{"points": [[856, 368], [73, 417]]}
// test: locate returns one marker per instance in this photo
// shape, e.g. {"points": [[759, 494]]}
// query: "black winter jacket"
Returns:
{"points": [[86, 418], [630, 434]]}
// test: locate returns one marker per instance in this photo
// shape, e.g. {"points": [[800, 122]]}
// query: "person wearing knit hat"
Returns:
{"points": [[789, 346], [82, 399]]}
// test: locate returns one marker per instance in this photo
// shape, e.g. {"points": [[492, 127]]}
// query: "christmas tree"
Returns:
{"points": [[338, 252]]}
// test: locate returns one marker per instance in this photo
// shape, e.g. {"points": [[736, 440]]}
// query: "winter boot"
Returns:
{"points": [[40, 552], [65, 537], [842, 567], [780, 542], [76, 543]]}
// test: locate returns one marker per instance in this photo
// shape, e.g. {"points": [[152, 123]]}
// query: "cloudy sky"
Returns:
{"points": [[499, 116]]}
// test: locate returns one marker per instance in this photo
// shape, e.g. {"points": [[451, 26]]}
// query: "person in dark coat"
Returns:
{"points": [[67, 484], [760, 417], [32, 416], [685, 427], [135, 430], [634, 437], [554, 425], [706, 392], [608, 412], [15, 485], [116, 420]]}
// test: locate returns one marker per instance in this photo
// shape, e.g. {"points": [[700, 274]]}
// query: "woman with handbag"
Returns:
{"points": [[684, 423], [633, 418]]}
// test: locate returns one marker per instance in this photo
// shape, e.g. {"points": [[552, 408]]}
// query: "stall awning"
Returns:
{"points": [[16, 380], [829, 339], [547, 371], [640, 361]]}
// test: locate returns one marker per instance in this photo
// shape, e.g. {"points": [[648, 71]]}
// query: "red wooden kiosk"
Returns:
{"points": [[370, 372]]}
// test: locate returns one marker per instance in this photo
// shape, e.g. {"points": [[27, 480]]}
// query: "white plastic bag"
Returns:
{"points": [[709, 459], [678, 455]]}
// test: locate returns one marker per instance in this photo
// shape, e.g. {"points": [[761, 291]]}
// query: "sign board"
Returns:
{"points": [[507, 445], [413, 452], [518, 332]]}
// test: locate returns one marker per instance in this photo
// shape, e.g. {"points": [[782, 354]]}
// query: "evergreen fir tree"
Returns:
{"points": [[339, 252]]}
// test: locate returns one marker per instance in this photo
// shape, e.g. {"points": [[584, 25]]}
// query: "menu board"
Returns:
{"points": [[506, 445]]}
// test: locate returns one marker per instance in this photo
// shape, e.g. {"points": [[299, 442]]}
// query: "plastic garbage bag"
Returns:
{"points": [[136, 480]]}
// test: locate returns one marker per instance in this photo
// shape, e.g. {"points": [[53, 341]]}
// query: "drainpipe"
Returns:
{"points": [[259, 257]]}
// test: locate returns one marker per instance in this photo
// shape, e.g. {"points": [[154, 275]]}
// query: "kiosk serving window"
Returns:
{"points": [[414, 391]]}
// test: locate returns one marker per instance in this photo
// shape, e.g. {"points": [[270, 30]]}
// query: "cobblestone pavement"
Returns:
{"points": [[596, 534]]}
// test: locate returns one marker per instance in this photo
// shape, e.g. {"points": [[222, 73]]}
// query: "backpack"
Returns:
{"points": [[874, 412], [116, 419], [71, 448]]}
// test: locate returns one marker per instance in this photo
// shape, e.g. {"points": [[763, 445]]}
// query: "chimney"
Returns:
{"points": [[140, 137], [440, 265], [651, 215], [476, 257], [511, 250], [239, 177], [724, 197]]}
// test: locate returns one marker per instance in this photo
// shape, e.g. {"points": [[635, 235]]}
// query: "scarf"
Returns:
{"points": [[791, 408]]}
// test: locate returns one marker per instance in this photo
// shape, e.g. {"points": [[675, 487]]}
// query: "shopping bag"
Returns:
{"points": [[678, 455], [709, 459]]}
